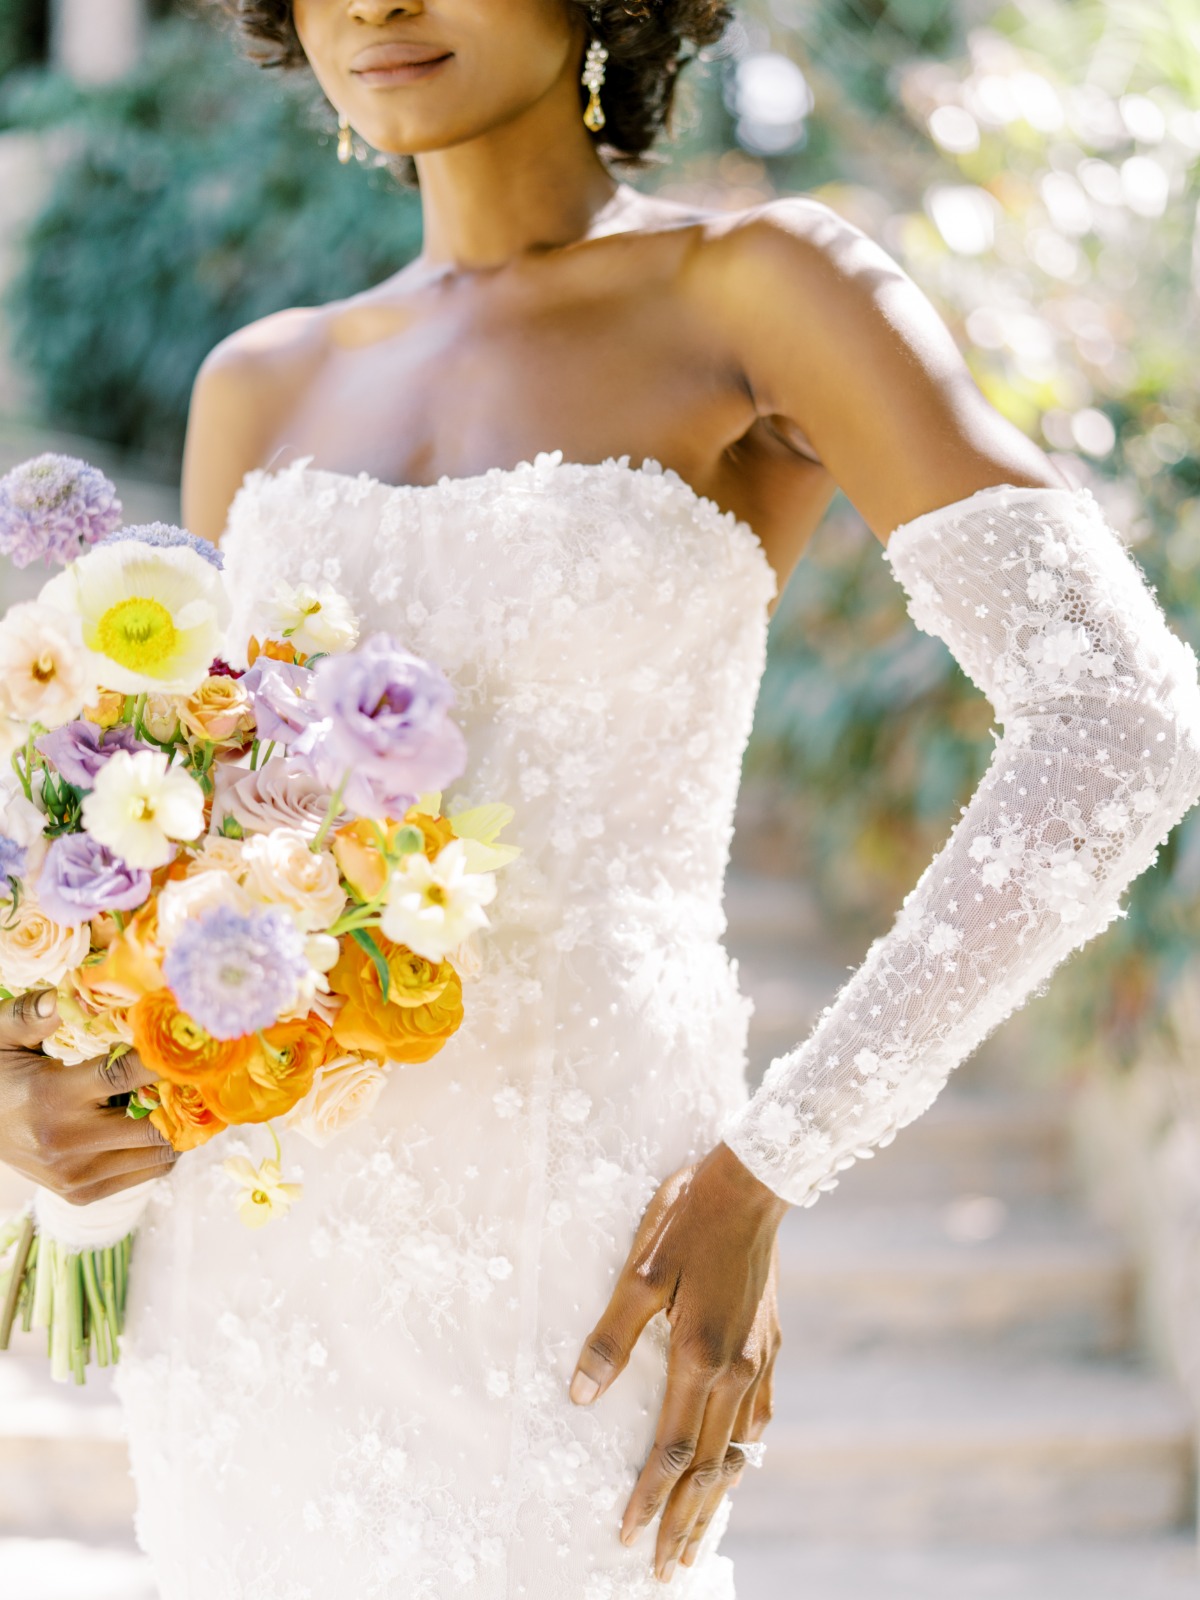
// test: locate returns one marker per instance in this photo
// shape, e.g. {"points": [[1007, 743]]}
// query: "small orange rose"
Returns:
{"points": [[131, 964], [178, 1049], [276, 1074], [423, 1009], [107, 709], [357, 848], [219, 711], [183, 1116], [274, 650]]}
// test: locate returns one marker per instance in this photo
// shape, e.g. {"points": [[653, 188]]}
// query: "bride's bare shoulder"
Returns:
{"points": [[236, 400]]}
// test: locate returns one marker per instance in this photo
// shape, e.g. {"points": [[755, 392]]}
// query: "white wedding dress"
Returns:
{"points": [[369, 1398]]}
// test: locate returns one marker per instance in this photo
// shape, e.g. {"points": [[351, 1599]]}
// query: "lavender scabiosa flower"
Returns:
{"points": [[165, 536], [13, 858], [387, 716], [81, 877], [53, 507], [235, 973], [79, 749]]}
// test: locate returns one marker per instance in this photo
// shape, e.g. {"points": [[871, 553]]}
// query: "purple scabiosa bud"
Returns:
{"points": [[53, 508], [165, 536], [235, 973]]}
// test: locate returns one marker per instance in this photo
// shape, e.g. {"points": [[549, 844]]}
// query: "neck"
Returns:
{"points": [[531, 184]]}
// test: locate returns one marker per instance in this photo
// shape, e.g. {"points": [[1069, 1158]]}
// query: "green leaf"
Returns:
{"points": [[366, 942]]}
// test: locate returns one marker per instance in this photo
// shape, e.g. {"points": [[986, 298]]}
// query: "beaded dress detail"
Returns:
{"points": [[368, 1398]]}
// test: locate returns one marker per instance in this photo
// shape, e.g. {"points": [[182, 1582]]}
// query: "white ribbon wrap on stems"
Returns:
{"points": [[95, 1226]]}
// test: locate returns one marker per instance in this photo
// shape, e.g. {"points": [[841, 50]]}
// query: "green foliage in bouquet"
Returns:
{"points": [[198, 194], [1050, 218]]}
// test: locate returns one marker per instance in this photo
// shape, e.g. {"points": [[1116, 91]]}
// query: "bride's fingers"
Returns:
{"points": [[607, 1348], [689, 1383], [708, 1476], [747, 1426], [112, 1129], [114, 1183]]}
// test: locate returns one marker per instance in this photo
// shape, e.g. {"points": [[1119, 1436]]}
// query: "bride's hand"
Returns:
{"points": [[705, 1254], [56, 1125]]}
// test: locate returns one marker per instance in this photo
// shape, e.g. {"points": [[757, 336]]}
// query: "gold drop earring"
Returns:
{"points": [[593, 82], [345, 145]]}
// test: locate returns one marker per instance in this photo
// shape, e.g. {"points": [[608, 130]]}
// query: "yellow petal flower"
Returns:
{"points": [[478, 829], [261, 1195]]}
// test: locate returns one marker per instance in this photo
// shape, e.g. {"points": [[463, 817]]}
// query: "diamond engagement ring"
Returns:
{"points": [[754, 1451]]}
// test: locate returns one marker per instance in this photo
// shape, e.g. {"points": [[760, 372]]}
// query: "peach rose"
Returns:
{"points": [[35, 951], [219, 711], [189, 897], [183, 1116], [281, 870], [107, 709], [86, 1030], [343, 1091], [423, 1009]]}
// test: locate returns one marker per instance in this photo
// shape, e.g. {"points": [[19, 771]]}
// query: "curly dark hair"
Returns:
{"points": [[648, 41]]}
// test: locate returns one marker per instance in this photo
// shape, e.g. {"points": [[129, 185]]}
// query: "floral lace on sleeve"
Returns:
{"points": [[1051, 618]]}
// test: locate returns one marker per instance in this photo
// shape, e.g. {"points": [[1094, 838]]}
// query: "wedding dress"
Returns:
{"points": [[368, 1398]]}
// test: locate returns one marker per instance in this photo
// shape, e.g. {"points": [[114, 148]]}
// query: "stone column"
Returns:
{"points": [[95, 41]]}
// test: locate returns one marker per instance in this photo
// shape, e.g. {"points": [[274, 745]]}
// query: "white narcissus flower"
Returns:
{"points": [[154, 616], [313, 617], [261, 1193], [433, 905], [139, 805], [46, 674]]}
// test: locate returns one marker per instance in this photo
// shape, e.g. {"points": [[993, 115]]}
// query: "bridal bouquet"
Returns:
{"points": [[243, 874]]}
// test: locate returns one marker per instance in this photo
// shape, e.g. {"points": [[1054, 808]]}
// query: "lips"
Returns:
{"points": [[396, 57]]}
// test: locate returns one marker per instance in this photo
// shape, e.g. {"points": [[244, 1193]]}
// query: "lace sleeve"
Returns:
{"points": [[1100, 757]]}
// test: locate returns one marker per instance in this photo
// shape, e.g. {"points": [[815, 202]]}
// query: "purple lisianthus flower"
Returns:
{"points": [[235, 973], [79, 749], [282, 708], [81, 877], [53, 507], [13, 858], [165, 536], [385, 716]]}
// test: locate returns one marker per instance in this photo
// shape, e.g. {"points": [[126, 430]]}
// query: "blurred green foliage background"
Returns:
{"points": [[1035, 166]]}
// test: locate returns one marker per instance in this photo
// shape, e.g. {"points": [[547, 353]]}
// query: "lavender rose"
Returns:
{"points": [[80, 877], [385, 717], [283, 793], [282, 708], [53, 508], [79, 749]]}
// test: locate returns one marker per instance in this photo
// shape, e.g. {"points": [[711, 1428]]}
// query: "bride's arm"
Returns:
{"points": [[1100, 756]]}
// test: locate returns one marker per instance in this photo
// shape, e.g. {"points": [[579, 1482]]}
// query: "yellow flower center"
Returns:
{"points": [[260, 1197], [139, 633], [141, 808], [435, 895], [187, 1034], [44, 668]]}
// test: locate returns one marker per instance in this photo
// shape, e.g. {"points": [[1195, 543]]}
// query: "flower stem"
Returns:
{"points": [[332, 810]]}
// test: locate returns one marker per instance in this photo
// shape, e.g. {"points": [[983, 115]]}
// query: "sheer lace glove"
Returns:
{"points": [[1100, 757]]}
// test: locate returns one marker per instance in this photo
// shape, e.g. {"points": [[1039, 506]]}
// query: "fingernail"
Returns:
{"points": [[668, 1570], [584, 1389], [45, 1003]]}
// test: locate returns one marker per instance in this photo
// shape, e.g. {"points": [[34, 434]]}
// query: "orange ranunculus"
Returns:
{"points": [[274, 650], [183, 1116], [423, 1009], [131, 965], [274, 1076], [176, 1048], [356, 848]]}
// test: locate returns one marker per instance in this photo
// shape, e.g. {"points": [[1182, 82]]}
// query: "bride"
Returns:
{"points": [[519, 1340]]}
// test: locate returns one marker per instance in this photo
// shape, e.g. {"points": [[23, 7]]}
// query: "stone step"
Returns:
{"points": [[1132, 1569], [973, 1273], [64, 1471], [881, 1451], [1011, 1145]]}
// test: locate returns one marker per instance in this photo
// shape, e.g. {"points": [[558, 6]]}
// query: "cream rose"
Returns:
{"points": [[184, 898], [344, 1090], [46, 674], [35, 952], [83, 1034], [283, 871], [219, 711], [160, 716], [218, 854], [280, 794]]}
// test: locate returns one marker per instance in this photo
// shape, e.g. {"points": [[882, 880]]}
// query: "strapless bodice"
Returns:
{"points": [[604, 628]]}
